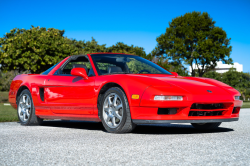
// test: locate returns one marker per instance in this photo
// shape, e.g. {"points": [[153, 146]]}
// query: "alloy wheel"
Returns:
{"points": [[24, 108], [112, 110]]}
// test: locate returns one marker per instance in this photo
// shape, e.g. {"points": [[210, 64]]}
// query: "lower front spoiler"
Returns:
{"points": [[183, 121]]}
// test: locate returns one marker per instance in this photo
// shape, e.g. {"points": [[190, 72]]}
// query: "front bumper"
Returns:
{"points": [[184, 121], [150, 115]]}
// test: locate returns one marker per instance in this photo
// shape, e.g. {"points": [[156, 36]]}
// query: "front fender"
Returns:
{"points": [[147, 99], [130, 86]]}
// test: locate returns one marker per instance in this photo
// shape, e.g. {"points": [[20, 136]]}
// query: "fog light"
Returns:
{"points": [[237, 97], [167, 111], [236, 110], [177, 98]]}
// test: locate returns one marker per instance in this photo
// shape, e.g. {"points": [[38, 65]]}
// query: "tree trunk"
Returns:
{"points": [[201, 73], [192, 70], [243, 96], [193, 73]]}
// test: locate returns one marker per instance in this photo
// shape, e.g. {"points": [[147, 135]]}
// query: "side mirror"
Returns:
{"points": [[174, 73], [79, 72]]}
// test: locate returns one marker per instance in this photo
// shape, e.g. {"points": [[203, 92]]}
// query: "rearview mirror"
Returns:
{"points": [[174, 73], [122, 59], [79, 72]]}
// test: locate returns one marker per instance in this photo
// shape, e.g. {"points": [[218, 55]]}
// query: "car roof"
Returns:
{"points": [[110, 53]]}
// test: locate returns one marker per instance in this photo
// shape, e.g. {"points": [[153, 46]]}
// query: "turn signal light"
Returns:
{"points": [[177, 98], [135, 96]]}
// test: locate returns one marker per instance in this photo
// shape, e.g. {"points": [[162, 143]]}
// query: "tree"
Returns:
{"points": [[213, 75], [120, 47], [35, 49], [6, 79], [194, 39], [248, 94], [171, 66], [238, 80], [92, 47]]}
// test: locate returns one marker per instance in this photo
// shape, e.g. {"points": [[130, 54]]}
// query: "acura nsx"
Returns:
{"points": [[121, 91]]}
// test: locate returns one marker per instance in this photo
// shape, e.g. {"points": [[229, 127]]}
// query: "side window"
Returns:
{"points": [[81, 62], [71, 65]]}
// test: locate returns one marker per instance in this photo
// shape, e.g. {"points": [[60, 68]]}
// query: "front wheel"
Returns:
{"points": [[206, 126], [26, 111], [115, 113]]}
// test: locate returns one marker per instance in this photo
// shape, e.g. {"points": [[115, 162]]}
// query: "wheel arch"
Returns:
{"points": [[102, 91], [21, 88]]}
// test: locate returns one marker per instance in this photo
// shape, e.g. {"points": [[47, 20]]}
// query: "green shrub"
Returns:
{"points": [[6, 79]]}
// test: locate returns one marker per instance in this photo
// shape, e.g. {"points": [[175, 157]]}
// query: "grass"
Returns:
{"points": [[246, 104], [8, 114], [4, 97]]}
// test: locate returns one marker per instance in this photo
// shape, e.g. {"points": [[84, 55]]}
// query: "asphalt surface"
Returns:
{"points": [[86, 143]]}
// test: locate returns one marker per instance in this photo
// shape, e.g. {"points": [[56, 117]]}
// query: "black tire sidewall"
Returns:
{"points": [[124, 117]]}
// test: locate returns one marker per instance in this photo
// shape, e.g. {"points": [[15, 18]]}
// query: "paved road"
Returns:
{"points": [[85, 143]]}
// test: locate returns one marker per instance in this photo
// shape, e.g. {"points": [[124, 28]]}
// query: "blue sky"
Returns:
{"points": [[132, 22]]}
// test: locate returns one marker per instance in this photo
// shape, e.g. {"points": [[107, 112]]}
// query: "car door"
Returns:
{"points": [[67, 94]]}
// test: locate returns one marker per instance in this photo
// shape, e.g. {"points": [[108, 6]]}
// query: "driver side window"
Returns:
{"points": [[80, 62]]}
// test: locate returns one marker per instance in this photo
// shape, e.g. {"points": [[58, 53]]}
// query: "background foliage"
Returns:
{"points": [[194, 39], [35, 49], [191, 39], [238, 80]]}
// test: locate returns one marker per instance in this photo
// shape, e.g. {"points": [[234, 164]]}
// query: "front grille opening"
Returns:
{"points": [[167, 111], [236, 110], [205, 113], [207, 106], [41, 92]]}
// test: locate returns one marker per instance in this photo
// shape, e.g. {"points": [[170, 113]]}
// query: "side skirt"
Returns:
{"points": [[93, 118]]}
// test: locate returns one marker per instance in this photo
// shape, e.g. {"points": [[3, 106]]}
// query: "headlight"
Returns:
{"points": [[237, 97], [177, 98]]}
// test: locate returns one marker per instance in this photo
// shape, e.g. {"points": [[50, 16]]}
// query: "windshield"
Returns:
{"points": [[47, 71], [118, 63]]}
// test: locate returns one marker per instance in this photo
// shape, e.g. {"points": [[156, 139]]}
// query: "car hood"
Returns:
{"points": [[193, 85]]}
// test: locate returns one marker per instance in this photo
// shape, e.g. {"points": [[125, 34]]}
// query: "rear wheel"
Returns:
{"points": [[115, 113], [26, 110], [206, 126]]}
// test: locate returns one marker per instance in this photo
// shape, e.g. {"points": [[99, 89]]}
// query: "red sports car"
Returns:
{"points": [[121, 91]]}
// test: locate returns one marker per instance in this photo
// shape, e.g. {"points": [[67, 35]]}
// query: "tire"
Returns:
{"points": [[115, 112], [26, 111], [206, 126]]}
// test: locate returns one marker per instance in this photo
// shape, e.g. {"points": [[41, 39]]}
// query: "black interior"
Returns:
{"points": [[114, 69], [118, 67]]}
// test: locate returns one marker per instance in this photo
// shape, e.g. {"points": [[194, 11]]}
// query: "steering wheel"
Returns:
{"points": [[144, 70]]}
